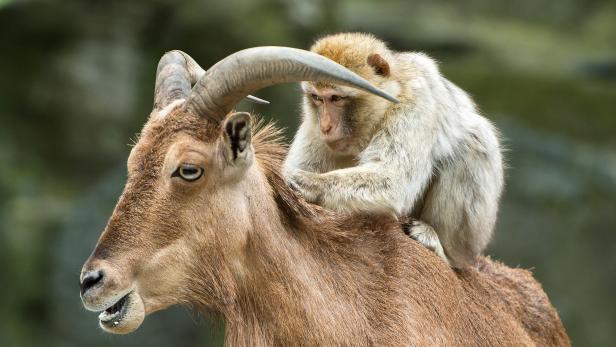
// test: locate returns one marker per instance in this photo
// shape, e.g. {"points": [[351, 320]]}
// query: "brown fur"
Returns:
{"points": [[284, 272], [380, 65], [353, 51]]}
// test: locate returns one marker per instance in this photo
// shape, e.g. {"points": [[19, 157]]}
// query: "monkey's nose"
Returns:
{"points": [[326, 128]]}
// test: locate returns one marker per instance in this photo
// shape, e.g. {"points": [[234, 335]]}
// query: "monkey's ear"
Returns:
{"points": [[236, 139], [378, 64]]}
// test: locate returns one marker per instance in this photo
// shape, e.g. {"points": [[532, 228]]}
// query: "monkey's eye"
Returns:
{"points": [[316, 98], [188, 172], [337, 98]]}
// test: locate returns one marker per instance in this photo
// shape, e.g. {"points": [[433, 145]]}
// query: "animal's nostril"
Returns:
{"points": [[90, 280]]}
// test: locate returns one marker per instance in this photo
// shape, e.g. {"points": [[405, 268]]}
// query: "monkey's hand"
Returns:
{"points": [[425, 234], [306, 184]]}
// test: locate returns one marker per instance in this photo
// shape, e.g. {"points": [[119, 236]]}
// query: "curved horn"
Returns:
{"points": [[177, 72], [249, 70]]}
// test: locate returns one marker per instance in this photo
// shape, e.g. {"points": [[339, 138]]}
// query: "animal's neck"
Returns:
{"points": [[298, 285]]}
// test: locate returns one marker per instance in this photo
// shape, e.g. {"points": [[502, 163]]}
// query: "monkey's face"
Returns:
{"points": [[346, 118], [333, 106]]}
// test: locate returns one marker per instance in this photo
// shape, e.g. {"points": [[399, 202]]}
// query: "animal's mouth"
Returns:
{"points": [[123, 316], [114, 314], [336, 144]]}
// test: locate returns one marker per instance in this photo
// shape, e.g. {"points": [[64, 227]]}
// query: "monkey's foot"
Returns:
{"points": [[425, 234]]}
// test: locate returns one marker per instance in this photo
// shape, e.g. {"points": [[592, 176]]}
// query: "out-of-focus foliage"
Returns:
{"points": [[76, 82]]}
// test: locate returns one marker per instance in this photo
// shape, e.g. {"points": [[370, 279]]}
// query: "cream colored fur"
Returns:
{"points": [[432, 156]]}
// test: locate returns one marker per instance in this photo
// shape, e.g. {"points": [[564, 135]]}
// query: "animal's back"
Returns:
{"points": [[523, 297], [485, 305]]}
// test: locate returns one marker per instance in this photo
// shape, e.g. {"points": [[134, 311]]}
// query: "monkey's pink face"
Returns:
{"points": [[330, 105]]}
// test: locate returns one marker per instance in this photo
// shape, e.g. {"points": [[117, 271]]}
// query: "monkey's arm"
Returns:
{"points": [[393, 173], [369, 188]]}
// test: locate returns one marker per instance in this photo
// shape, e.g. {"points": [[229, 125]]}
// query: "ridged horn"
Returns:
{"points": [[173, 78], [244, 72], [176, 74]]}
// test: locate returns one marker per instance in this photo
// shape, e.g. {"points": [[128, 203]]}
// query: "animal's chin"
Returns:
{"points": [[337, 145], [124, 316]]}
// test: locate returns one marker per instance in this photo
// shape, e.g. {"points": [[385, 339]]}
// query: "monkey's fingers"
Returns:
{"points": [[293, 186]]}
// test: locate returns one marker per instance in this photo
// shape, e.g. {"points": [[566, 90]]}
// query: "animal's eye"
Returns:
{"points": [[316, 98], [188, 172], [337, 99]]}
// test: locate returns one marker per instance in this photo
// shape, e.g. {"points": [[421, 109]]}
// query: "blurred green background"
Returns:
{"points": [[76, 84]]}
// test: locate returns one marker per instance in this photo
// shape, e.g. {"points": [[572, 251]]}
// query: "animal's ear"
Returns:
{"points": [[378, 64], [237, 135]]}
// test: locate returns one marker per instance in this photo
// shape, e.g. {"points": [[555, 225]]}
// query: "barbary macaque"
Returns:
{"points": [[431, 156]]}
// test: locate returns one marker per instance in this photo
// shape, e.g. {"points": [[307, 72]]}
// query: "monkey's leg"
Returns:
{"points": [[425, 234], [461, 205]]}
